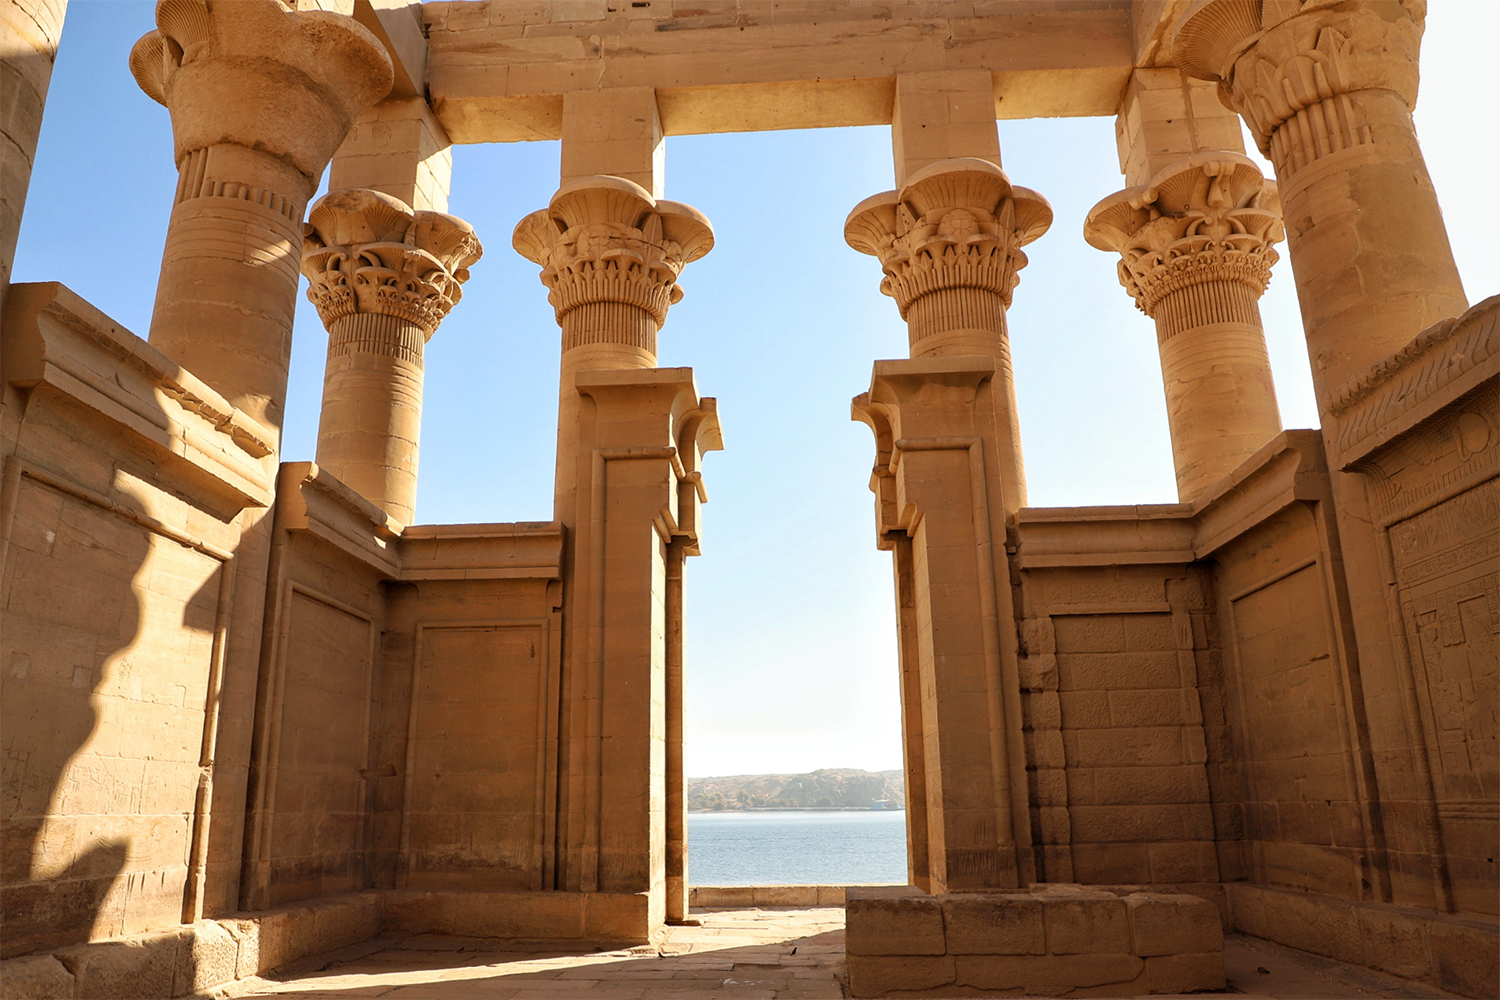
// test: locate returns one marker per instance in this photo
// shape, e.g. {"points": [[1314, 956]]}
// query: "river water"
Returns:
{"points": [[801, 847]]}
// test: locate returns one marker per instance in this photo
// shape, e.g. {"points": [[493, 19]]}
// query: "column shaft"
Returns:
{"points": [[1196, 252], [383, 277]]}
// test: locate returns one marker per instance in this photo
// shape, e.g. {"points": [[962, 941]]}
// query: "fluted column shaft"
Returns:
{"points": [[1328, 94], [382, 277], [949, 242], [1196, 249], [260, 98]]}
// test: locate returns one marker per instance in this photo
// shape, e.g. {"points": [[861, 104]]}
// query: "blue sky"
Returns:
{"points": [[790, 630]]}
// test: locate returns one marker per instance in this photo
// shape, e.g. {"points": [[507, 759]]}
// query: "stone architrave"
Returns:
{"points": [[382, 277], [1196, 247], [949, 242], [261, 97], [630, 439]]}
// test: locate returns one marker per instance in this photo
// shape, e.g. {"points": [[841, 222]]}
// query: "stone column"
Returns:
{"points": [[1196, 248], [32, 28], [1328, 91], [610, 255], [949, 242], [630, 438], [260, 98], [382, 277], [948, 475]]}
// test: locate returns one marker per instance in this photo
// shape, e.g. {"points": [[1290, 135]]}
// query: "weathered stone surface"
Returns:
{"points": [[893, 921], [1175, 924], [983, 924], [35, 977]]}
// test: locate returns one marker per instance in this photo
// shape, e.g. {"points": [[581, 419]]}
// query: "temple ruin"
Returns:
{"points": [[252, 712]]}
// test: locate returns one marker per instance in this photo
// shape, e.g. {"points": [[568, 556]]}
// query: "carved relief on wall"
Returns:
{"points": [[1462, 446], [1446, 561]]}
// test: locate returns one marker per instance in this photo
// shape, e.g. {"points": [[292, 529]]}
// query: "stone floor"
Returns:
{"points": [[749, 954]]}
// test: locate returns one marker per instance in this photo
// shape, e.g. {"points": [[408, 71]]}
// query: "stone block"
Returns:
{"points": [[419, 912], [900, 920], [1186, 973], [141, 966], [1463, 957], [209, 958], [877, 975], [1009, 924], [1173, 924], [1046, 974], [247, 953], [1394, 941], [35, 977], [1082, 921], [616, 916]]}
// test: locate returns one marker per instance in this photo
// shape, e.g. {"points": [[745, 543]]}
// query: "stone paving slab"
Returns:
{"points": [[743, 954]]}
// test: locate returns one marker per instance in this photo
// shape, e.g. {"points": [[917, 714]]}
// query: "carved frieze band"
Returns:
{"points": [[950, 243], [1412, 378], [367, 254], [1196, 243], [1294, 69], [604, 243]]}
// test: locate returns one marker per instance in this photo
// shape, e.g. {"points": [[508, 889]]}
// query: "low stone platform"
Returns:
{"points": [[738, 954], [1053, 940]]}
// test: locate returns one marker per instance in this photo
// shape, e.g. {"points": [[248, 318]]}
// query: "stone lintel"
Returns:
{"points": [[765, 67]]}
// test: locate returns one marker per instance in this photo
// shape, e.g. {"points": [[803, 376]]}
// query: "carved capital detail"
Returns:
{"points": [[605, 242], [1293, 68], [956, 224], [251, 73], [1209, 219], [368, 254]]}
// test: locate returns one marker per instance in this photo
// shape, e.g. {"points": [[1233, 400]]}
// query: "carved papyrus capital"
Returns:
{"points": [[1301, 62], [605, 242], [364, 252], [955, 224], [252, 73], [1210, 218]]}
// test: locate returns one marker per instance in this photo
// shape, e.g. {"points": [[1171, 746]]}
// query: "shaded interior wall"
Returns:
{"points": [[1111, 660], [120, 509], [1289, 706], [1434, 492], [469, 710], [317, 699]]}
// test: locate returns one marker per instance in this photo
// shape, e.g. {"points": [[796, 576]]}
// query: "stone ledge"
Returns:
{"points": [[728, 897], [1053, 939], [192, 959], [1455, 953]]}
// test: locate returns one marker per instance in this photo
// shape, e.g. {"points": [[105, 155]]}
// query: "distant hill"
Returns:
{"points": [[829, 788]]}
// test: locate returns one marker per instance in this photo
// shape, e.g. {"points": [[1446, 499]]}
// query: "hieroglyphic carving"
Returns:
{"points": [[1442, 456], [950, 243], [1293, 70], [366, 253], [1196, 242], [606, 246]]}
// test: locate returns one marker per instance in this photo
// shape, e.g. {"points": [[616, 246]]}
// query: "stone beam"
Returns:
{"points": [[398, 25], [497, 72]]}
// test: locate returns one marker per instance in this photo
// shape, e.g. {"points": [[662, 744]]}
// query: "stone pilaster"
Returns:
{"points": [[949, 242], [260, 98], [1327, 89], [1196, 254], [610, 255], [382, 277]]}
